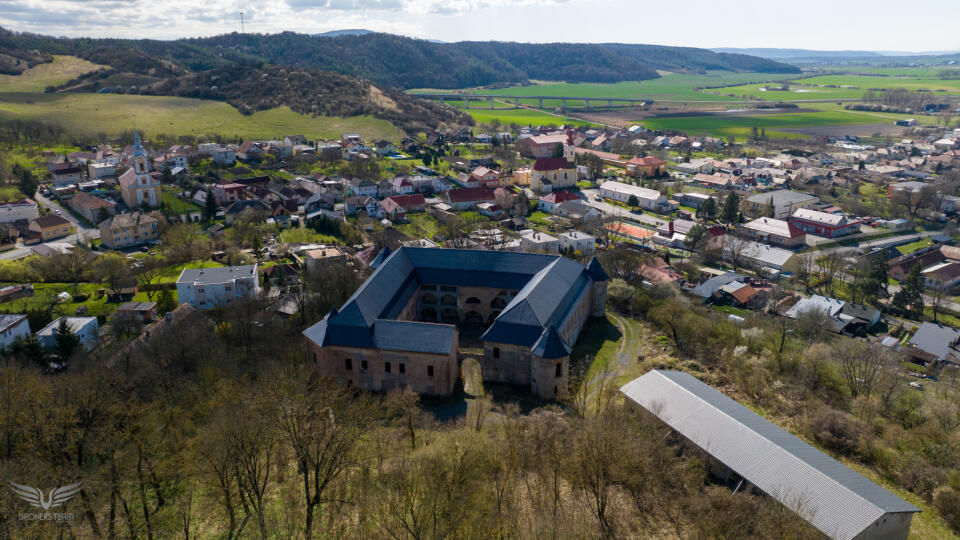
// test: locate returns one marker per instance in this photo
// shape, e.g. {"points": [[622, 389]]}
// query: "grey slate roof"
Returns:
{"points": [[830, 496], [220, 274], [936, 339], [548, 287], [712, 285], [551, 345], [9, 321]]}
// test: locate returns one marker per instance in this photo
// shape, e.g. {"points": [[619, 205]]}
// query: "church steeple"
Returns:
{"points": [[138, 149]]}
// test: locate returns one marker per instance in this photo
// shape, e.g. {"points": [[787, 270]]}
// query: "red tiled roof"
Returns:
{"points": [[471, 195], [552, 164], [407, 201], [649, 161], [558, 197]]}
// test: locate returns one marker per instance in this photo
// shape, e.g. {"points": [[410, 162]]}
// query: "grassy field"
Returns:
{"points": [[669, 86], [307, 236], [35, 79], [45, 293], [816, 87], [175, 204], [824, 114], [112, 113], [522, 117]]}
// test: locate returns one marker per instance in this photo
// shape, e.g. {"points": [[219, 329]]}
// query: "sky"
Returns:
{"points": [[811, 24]]}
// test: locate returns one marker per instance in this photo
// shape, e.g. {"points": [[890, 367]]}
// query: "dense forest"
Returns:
{"points": [[398, 61]]}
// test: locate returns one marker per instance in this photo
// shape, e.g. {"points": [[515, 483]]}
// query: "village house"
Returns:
{"points": [[400, 205], [550, 201], [695, 199], [719, 181], [128, 230], [466, 198], [137, 186], [66, 174], [206, 288], [577, 242], [765, 259], [12, 328], [483, 177], [369, 205], [49, 227], [100, 169], [775, 232], [254, 209], [532, 241], [227, 194], [92, 208], [784, 203], [544, 146], [85, 328], [20, 210], [934, 343], [143, 312], [942, 276], [249, 151], [576, 210], [325, 255], [646, 167], [824, 224], [647, 199], [398, 329]]}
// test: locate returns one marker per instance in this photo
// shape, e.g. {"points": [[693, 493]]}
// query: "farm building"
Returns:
{"points": [[751, 451]]}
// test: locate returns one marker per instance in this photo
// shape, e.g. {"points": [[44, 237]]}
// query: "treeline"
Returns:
{"points": [[399, 61]]}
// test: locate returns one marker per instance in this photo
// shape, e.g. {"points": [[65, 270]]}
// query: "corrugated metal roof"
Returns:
{"points": [[830, 496]]}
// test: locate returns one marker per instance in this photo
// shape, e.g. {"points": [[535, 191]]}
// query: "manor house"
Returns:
{"points": [[399, 328]]}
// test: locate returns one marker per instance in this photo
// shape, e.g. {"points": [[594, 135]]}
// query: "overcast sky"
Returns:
{"points": [[810, 24]]}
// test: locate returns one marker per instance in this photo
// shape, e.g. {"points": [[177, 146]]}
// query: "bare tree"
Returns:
{"points": [[864, 366]]}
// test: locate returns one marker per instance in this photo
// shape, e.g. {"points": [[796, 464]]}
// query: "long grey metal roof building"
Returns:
{"points": [[829, 495]]}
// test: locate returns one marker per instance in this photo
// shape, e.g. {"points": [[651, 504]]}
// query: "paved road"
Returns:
{"points": [[614, 210], [82, 229]]}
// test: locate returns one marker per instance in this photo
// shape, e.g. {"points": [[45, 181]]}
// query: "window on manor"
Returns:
{"points": [[559, 369], [429, 371], [386, 367], [403, 368], [363, 365], [496, 352], [348, 364]]}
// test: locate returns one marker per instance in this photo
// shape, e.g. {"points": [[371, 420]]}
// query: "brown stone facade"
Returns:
{"points": [[512, 364], [381, 370], [449, 304]]}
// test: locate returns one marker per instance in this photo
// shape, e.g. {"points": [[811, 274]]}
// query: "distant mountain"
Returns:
{"points": [[792, 54], [397, 61], [347, 32]]}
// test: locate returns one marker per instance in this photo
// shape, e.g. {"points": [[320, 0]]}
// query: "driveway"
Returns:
{"points": [[80, 227]]}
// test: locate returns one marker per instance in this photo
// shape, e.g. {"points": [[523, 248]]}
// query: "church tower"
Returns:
{"points": [[137, 187]]}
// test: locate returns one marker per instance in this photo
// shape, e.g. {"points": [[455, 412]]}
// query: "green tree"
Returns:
{"points": [[731, 209], [708, 210], [768, 209], [210, 207], [166, 303], [66, 343], [909, 299], [633, 201], [695, 236]]}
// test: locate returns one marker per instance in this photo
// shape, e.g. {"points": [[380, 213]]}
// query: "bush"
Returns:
{"points": [[947, 502], [836, 430]]}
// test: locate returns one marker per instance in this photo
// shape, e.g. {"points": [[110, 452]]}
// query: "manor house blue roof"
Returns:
{"points": [[548, 286]]}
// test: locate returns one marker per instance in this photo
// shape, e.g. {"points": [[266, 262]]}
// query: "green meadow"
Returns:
{"points": [[91, 114], [522, 117], [740, 126], [35, 79], [670, 86]]}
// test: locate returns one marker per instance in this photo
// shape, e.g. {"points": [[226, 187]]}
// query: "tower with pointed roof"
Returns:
{"points": [[137, 187]]}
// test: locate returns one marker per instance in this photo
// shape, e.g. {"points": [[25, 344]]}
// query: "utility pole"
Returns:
{"points": [[241, 23]]}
